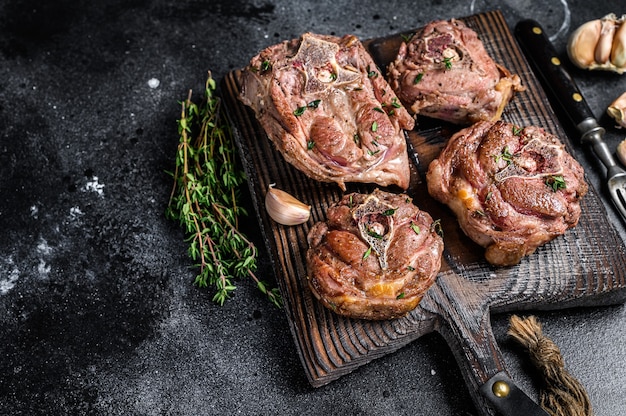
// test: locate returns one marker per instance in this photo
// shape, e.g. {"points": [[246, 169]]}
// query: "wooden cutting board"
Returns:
{"points": [[586, 266]]}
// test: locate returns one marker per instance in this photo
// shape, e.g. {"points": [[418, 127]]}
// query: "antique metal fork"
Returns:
{"points": [[544, 60]]}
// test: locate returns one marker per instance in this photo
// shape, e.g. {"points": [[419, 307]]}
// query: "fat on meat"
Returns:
{"points": [[328, 109], [512, 189], [443, 71]]}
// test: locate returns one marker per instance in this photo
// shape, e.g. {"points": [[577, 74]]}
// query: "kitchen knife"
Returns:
{"points": [[559, 83]]}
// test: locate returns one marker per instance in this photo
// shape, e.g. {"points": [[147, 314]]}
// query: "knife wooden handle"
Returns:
{"points": [[543, 58]]}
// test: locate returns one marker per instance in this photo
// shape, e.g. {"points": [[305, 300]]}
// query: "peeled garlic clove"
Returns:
{"points": [[284, 208], [617, 110], [621, 152]]}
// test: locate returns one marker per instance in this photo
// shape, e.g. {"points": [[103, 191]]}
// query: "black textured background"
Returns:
{"points": [[98, 313]]}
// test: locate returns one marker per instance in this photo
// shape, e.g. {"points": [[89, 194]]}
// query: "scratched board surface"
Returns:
{"points": [[586, 266]]}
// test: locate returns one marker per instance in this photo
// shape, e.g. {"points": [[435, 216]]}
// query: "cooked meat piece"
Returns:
{"points": [[512, 189], [445, 72], [374, 257], [329, 111]]}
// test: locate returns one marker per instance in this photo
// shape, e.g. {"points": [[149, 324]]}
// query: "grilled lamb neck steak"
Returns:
{"points": [[374, 257], [327, 108], [444, 72], [512, 189]]}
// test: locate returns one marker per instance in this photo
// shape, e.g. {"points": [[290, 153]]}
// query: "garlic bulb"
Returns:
{"points": [[600, 44], [284, 208], [617, 110]]}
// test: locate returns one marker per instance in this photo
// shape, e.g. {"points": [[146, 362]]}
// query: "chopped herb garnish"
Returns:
{"points": [[300, 110], [373, 233], [314, 104], [436, 226], [505, 155], [310, 145], [556, 182], [400, 296], [356, 138], [380, 110], [410, 268], [266, 65], [395, 103], [418, 78], [333, 76], [480, 213], [415, 228], [371, 74], [489, 195], [372, 153], [390, 211], [406, 38], [374, 126], [517, 130], [375, 143], [447, 62], [367, 253]]}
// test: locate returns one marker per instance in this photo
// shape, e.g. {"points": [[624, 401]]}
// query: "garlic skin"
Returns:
{"points": [[617, 110], [285, 209], [621, 152], [600, 44]]}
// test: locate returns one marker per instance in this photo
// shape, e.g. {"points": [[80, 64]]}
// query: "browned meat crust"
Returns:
{"points": [[374, 257], [329, 111], [445, 72], [512, 189]]}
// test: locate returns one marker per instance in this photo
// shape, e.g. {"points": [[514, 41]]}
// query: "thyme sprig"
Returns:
{"points": [[205, 199]]}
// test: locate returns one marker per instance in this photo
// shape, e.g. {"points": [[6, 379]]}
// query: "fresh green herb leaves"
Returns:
{"points": [[505, 155], [517, 130], [390, 211], [374, 126], [374, 234], [415, 228], [447, 62], [310, 145], [367, 253], [300, 110], [556, 182], [436, 227], [204, 198], [314, 104], [418, 78], [401, 295]]}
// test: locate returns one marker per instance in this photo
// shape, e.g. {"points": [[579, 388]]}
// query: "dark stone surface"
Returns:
{"points": [[98, 313]]}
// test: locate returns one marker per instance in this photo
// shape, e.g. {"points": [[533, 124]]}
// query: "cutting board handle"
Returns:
{"points": [[466, 327]]}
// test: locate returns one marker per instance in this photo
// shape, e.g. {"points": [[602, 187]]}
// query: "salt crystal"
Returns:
{"points": [[153, 83]]}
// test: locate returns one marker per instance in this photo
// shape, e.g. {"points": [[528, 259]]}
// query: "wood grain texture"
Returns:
{"points": [[584, 267]]}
